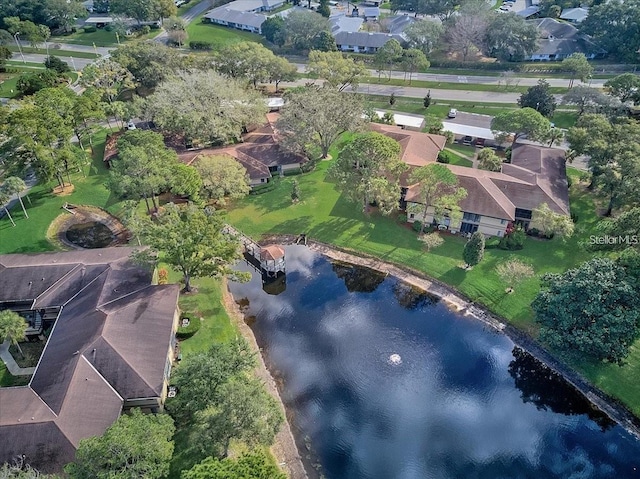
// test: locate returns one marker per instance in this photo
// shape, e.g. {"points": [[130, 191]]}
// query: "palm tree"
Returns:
{"points": [[14, 186], [4, 199], [12, 327]]}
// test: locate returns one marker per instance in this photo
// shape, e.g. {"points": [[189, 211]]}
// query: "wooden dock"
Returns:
{"points": [[268, 260]]}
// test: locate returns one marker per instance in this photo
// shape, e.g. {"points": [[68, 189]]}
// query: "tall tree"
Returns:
{"points": [[368, 169], [302, 26], [205, 106], [150, 63], [280, 69], [14, 185], [144, 167], [12, 328], [613, 25], [591, 309], [222, 177], [579, 67], [136, 445], [488, 160], [324, 42], [192, 241], [273, 30], [466, 33], [539, 98], [62, 14], [509, 37], [388, 55], [339, 72], [250, 465], [424, 35], [551, 223], [412, 61], [625, 87], [248, 60], [140, 10], [313, 118], [439, 190], [626, 226], [245, 411], [474, 249], [109, 78], [4, 200], [201, 376], [524, 122], [587, 99]]}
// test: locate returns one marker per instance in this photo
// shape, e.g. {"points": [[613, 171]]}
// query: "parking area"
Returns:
{"points": [[472, 130]]}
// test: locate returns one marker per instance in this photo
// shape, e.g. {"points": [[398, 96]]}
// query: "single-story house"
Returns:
{"points": [[497, 200], [399, 23], [558, 40], [260, 154], [111, 345], [575, 15], [248, 21], [344, 23], [528, 12], [459, 129], [364, 42], [254, 6]]}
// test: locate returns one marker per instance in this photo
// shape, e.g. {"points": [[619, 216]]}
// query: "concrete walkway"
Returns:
{"points": [[11, 364]]}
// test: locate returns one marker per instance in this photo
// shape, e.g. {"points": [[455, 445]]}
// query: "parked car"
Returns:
{"points": [[480, 142], [453, 113], [467, 140], [131, 125]]}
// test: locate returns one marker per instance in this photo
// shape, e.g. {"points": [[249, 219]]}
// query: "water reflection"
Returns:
{"points": [[548, 391], [450, 409], [356, 278]]}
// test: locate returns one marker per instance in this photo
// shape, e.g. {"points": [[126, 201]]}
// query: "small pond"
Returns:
{"points": [[91, 234], [384, 382]]}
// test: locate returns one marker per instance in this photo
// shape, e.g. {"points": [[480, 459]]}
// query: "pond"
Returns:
{"points": [[91, 234], [382, 381]]}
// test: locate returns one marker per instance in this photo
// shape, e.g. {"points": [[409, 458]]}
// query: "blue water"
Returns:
{"points": [[463, 402]]}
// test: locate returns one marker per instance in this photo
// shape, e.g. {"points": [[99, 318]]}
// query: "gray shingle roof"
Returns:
{"points": [[225, 14], [109, 343], [560, 38], [365, 39]]}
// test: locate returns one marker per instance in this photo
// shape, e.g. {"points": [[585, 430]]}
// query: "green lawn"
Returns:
{"points": [[464, 150], [218, 35], [29, 235], [8, 87], [453, 85], [324, 215], [52, 51]]}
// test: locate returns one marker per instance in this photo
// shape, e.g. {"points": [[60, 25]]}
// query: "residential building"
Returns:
{"points": [[418, 149], [575, 15], [228, 17], [260, 154], [254, 6], [405, 121], [371, 13], [364, 42], [111, 343], [497, 200], [558, 40]]}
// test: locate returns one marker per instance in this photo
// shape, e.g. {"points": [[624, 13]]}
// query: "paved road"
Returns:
{"points": [[72, 47], [476, 79], [188, 16], [74, 63]]}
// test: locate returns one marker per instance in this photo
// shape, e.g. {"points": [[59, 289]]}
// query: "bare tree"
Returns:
{"points": [[466, 34]]}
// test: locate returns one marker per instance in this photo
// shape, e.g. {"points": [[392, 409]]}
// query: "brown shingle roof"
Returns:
{"points": [[418, 149], [536, 175], [271, 253]]}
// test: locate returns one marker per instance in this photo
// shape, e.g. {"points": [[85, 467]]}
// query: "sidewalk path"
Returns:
{"points": [[11, 364]]}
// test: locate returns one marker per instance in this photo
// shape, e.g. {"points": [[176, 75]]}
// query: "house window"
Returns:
{"points": [[468, 228], [523, 214], [411, 215], [262, 180], [500, 233], [502, 222], [471, 217]]}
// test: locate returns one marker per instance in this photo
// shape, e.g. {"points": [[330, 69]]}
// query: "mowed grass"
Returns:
{"points": [[217, 35], [565, 118], [453, 85], [53, 52], [29, 235], [324, 215]]}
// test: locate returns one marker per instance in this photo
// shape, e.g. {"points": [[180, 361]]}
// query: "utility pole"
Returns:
{"points": [[15, 36]]}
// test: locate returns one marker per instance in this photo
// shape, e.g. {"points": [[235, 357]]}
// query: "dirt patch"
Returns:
{"points": [[284, 448], [65, 190]]}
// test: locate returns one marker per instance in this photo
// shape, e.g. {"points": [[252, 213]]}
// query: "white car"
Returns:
{"points": [[131, 125], [453, 113]]}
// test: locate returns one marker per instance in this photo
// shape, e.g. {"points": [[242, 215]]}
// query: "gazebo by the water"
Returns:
{"points": [[272, 259]]}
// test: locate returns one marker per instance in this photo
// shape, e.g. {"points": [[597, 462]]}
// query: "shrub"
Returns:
{"points": [[163, 276], [109, 28], [54, 63], [89, 29], [514, 240], [145, 30], [569, 181], [417, 226], [185, 332], [402, 218], [443, 157], [574, 216], [201, 45]]}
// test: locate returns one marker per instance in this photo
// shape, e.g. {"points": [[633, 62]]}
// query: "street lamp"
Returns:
{"points": [[15, 37], [73, 64]]}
